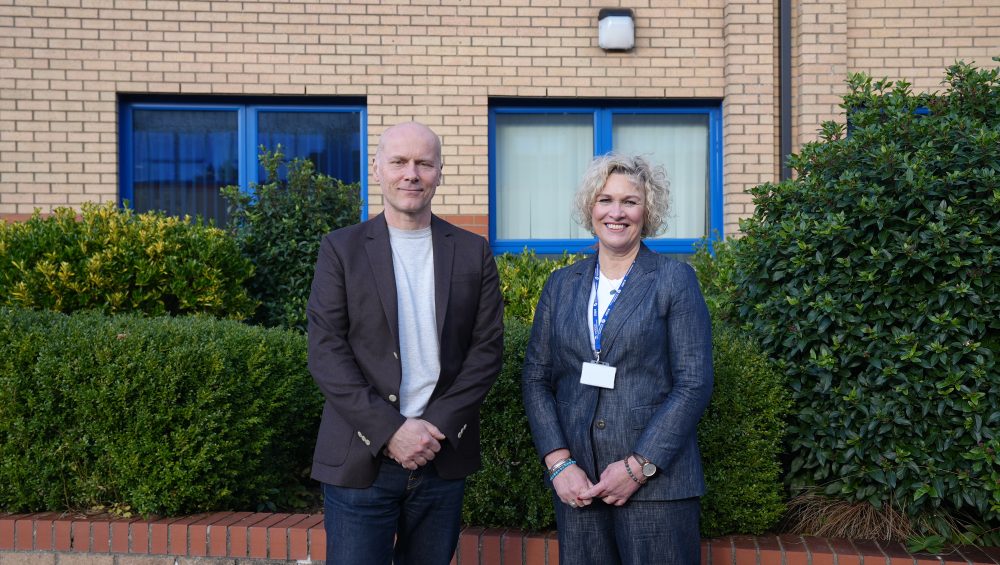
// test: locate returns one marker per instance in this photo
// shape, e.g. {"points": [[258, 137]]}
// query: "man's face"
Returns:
{"points": [[408, 168]]}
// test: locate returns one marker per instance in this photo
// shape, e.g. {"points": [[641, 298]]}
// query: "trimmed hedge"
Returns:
{"points": [[741, 438], [162, 415], [115, 260], [510, 490]]}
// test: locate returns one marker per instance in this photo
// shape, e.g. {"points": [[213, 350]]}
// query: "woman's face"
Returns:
{"points": [[617, 215]]}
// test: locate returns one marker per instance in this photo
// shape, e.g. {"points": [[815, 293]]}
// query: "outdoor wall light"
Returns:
{"points": [[615, 29]]}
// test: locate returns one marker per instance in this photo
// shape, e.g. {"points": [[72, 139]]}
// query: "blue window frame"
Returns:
{"points": [[538, 154], [176, 152]]}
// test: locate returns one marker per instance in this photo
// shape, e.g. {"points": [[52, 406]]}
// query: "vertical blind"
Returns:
{"points": [[540, 160], [181, 158]]}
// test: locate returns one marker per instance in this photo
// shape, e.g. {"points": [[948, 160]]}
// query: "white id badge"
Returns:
{"points": [[596, 374]]}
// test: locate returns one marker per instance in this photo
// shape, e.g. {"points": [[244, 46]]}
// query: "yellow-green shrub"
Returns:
{"points": [[114, 260]]}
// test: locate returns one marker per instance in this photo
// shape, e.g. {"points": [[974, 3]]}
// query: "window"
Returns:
{"points": [[176, 153], [538, 155]]}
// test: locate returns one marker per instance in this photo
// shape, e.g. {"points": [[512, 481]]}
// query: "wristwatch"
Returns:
{"points": [[648, 469]]}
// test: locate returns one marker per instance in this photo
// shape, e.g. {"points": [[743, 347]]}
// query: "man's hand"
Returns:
{"points": [[415, 443]]}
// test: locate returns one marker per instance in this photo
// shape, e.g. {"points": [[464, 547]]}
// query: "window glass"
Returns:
{"points": [[181, 158], [679, 143], [540, 159], [330, 140]]}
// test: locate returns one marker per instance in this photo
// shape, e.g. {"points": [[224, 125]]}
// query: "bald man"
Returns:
{"points": [[405, 339]]}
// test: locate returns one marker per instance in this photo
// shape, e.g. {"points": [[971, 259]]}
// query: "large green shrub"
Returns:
{"points": [[163, 415], [874, 278], [117, 261], [713, 262], [740, 434], [279, 226]]}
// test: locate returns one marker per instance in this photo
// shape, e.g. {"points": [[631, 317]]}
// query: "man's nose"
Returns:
{"points": [[410, 170]]}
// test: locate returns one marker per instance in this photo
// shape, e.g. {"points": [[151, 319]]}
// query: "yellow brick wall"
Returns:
{"points": [[63, 63]]}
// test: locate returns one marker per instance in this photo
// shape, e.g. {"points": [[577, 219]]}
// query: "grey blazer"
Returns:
{"points": [[354, 348], [659, 338]]}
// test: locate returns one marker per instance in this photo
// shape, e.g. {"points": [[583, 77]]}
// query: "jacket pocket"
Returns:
{"points": [[641, 416]]}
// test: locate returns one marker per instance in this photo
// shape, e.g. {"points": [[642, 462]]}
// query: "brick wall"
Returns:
{"points": [[63, 63], [256, 538]]}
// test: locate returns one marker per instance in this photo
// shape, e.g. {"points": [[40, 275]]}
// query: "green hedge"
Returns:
{"points": [[509, 491], [741, 438], [163, 415], [114, 260]]}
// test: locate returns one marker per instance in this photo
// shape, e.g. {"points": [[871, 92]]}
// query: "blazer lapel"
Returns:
{"points": [[579, 318], [379, 252], [634, 293], [444, 255]]}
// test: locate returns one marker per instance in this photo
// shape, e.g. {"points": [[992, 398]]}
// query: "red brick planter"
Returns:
{"points": [[246, 536]]}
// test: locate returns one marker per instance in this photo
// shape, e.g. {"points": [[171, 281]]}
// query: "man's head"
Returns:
{"points": [[407, 166]]}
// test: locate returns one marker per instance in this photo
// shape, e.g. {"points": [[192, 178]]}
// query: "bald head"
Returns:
{"points": [[410, 131]]}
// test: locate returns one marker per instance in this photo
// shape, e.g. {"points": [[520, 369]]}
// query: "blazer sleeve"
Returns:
{"points": [[689, 350], [458, 406], [331, 359], [537, 389]]}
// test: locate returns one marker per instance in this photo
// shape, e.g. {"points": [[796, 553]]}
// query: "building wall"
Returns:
{"points": [[64, 62], [911, 40]]}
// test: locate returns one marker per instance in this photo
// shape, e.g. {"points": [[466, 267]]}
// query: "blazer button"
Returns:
{"points": [[392, 398], [600, 424]]}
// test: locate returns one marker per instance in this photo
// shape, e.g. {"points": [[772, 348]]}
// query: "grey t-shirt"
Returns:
{"points": [[413, 265]]}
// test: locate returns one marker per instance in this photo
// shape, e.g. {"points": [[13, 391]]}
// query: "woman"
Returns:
{"points": [[617, 373]]}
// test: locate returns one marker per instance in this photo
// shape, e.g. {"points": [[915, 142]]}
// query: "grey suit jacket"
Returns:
{"points": [[354, 348], [658, 336]]}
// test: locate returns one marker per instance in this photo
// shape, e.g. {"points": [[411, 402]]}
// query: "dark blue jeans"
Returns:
{"points": [[418, 508], [638, 533]]}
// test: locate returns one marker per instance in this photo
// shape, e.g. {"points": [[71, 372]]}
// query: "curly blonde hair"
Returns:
{"points": [[651, 181]]}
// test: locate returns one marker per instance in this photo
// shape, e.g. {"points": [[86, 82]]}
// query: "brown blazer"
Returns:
{"points": [[354, 348]]}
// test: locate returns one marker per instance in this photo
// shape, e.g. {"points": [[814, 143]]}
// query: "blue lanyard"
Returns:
{"points": [[598, 328]]}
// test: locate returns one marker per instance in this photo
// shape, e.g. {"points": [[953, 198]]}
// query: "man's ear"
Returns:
{"points": [[375, 171]]}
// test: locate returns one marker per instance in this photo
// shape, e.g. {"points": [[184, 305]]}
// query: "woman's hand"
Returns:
{"points": [[571, 481], [615, 487], [571, 484]]}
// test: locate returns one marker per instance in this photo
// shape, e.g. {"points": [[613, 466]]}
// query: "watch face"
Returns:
{"points": [[648, 469]]}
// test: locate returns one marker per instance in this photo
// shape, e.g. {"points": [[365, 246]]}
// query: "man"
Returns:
{"points": [[405, 339]]}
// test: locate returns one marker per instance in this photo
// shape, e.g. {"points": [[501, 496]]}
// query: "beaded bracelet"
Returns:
{"points": [[628, 469], [562, 467]]}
